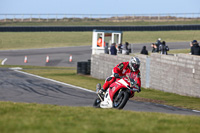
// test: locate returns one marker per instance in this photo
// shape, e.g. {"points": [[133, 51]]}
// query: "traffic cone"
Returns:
{"points": [[70, 58], [47, 59], [25, 59]]}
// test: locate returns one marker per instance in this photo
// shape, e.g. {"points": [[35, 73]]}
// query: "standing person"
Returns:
{"points": [[113, 50], [195, 49], [99, 42], [120, 48], [129, 48], [163, 48], [158, 42], [122, 69], [144, 51], [154, 48], [125, 48], [106, 51]]}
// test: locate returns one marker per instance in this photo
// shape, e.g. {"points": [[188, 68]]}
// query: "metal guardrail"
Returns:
{"points": [[99, 17]]}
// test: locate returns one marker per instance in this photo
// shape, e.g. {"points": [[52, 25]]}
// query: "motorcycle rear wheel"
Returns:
{"points": [[97, 103], [120, 102]]}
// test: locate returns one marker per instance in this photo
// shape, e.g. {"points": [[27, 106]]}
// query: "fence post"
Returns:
{"points": [[147, 72], [22, 19], [30, 18], [5, 18]]}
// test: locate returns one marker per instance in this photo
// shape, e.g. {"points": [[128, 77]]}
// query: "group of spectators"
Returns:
{"points": [[123, 49], [158, 47], [195, 48]]}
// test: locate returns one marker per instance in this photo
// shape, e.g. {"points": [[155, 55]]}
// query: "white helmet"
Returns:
{"points": [[134, 64]]}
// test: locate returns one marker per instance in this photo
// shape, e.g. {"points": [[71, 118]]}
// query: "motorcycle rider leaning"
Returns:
{"points": [[121, 70]]}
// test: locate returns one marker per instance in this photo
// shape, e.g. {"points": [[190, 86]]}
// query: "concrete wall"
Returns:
{"points": [[177, 74]]}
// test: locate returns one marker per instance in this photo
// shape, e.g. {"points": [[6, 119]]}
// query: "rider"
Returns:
{"points": [[121, 70]]}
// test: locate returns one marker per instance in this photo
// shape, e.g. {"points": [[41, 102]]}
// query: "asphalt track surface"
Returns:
{"points": [[60, 56], [17, 86]]}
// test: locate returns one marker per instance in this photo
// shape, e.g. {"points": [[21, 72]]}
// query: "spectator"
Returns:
{"points": [[144, 51], [113, 50], [120, 48], [158, 42], [99, 42], [125, 49], [129, 48], [106, 51], [195, 49], [154, 48], [163, 48]]}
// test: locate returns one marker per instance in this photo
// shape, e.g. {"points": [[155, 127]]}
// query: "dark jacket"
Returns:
{"points": [[113, 50], [195, 49], [144, 51], [163, 48]]}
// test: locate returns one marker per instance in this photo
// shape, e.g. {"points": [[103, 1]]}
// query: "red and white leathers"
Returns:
{"points": [[121, 69]]}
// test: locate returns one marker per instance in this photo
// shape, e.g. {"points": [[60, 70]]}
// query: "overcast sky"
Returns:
{"points": [[99, 6]]}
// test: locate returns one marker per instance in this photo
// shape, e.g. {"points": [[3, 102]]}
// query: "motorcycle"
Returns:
{"points": [[118, 92]]}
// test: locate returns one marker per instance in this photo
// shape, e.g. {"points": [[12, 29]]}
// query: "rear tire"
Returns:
{"points": [[121, 101], [97, 103]]}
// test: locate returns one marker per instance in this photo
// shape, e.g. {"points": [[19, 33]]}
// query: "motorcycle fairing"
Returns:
{"points": [[114, 87], [107, 103]]}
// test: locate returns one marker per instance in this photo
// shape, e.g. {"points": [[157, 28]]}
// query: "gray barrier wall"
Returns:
{"points": [[177, 74]]}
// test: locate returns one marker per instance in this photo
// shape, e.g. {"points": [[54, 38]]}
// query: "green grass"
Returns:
{"points": [[68, 75], [26, 40], [185, 51], [36, 118]]}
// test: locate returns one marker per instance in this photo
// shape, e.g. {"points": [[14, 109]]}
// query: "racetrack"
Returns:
{"points": [[60, 56], [20, 87]]}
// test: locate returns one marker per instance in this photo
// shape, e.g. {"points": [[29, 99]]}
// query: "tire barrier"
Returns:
{"points": [[84, 67], [91, 28]]}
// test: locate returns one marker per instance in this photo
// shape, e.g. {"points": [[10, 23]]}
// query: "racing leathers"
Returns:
{"points": [[120, 70]]}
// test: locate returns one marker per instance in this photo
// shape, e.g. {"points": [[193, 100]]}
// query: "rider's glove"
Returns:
{"points": [[101, 91]]}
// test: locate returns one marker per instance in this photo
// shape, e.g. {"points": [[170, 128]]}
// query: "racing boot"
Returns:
{"points": [[100, 91]]}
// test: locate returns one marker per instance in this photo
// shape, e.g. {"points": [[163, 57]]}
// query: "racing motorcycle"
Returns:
{"points": [[118, 92]]}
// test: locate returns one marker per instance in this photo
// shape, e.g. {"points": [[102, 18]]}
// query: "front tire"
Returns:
{"points": [[120, 100]]}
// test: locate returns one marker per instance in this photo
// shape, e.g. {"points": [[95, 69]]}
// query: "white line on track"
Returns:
{"points": [[77, 87], [3, 62], [196, 111]]}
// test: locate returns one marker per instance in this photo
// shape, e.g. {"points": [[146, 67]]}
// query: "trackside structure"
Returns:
{"points": [[102, 39]]}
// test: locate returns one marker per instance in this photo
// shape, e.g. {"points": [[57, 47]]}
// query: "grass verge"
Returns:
{"points": [[68, 75], [26, 40], [37, 118]]}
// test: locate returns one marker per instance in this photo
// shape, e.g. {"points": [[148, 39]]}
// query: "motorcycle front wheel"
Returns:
{"points": [[120, 100]]}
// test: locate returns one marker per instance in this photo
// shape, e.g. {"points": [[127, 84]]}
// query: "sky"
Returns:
{"points": [[98, 6]]}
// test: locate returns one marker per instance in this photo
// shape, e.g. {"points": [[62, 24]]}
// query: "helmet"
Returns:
{"points": [[194, 42], [134, 64]]}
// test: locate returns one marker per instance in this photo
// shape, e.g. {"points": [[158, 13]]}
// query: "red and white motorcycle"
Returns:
{"points": [[118, 93]]}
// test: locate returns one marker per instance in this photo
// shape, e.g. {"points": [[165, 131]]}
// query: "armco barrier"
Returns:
{"points": [[177, 74], [91, 28]]}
